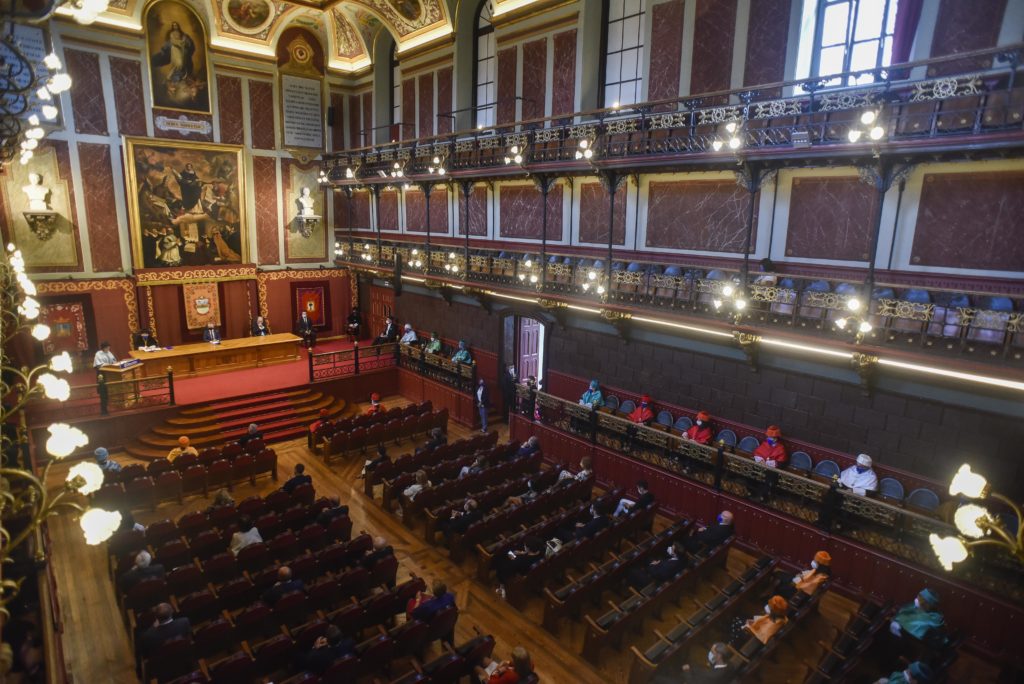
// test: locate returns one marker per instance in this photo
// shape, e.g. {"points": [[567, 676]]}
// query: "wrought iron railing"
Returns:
{"points": [[105, 397], [461, 376], [348, 362]]}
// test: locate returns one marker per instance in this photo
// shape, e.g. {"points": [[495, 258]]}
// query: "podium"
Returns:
{"points": [[119, 392]]}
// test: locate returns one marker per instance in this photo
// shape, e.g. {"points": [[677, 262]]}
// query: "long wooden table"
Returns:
{"points": [[205, 358]]}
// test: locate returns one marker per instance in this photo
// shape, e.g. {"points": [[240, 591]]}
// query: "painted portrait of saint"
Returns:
{"points": [[410, 9], [178, 69]]}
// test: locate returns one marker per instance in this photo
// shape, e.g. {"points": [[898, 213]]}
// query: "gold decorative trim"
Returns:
{"points": [[192, 276], [127, 287], [151, 312]]}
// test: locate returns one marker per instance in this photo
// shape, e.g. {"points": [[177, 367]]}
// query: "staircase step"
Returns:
{"points": [[222, 426], [239, 402], [254, 409]]}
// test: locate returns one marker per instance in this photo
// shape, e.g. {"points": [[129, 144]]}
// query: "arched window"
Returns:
{"points": [[623, 52], [396, 93], [485, 69], [846, 35]]}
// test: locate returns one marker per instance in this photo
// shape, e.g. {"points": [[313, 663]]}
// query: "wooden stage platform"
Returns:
{"points": [[205, 358]]}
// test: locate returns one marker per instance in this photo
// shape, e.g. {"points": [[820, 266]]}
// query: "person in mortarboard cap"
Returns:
{"points": [[184, 447], [375, 406], [701, 431], [771, 451], [642, 413], [921, 619], [593, 397]]}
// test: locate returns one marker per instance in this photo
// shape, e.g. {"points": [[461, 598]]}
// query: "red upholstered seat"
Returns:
{"points": [[218, 474], [140, 492], [237, 668], [253, 506], [161, 531], [174, 553], [222, 516], [169, 486], [274, 654], [253, 557], [185, 580], [199, 606], [194, 479], [191, 524], [220, 568], [214, 638], [236, 593]]}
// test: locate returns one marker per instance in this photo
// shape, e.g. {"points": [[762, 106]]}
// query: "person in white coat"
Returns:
{"points": [[860, 478]]}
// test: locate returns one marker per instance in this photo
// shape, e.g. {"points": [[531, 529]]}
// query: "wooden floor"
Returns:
{"points": [[96, 643]]}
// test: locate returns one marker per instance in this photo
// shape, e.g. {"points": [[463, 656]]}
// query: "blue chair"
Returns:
{"points": [[923, 498], [890, 488], [717, 274], [727, 437], [826, 469], [634, 267], [749, 444], [627, 407], [917, 296], [682, 424], [674, 271], [800, 460], [814, 313], [989, 324], [612, 403], [664, 419], [946, 321]]}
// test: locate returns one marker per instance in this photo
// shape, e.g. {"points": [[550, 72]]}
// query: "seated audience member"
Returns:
{"points": [[260, 327], [916, 673], [106, 464], [659, 570], [326, 650], [767, 269], [592, 397], [764, 626], [529, 448], [429, 605], [702, 431], [584, 473], [643, 500], [375, 405], [297, 479], [859, 478], [165, 627], [284, 585], [437, 439], [642, 413], [533, 490], [128, 522], [380, 549], [920, 620], [461, 519], [462, 354], [408, 335], [184, 447], [709, 537], [221, 498], [389, 334], [586, 529], [375, 462], [143, 568], [807, 581], [475, 468], [252, 434], [715, 671], [247, 535], [315, 425], [211, 334], [145, 339], [771, 451], [511, 671], [518, 561], [334, 510], [416, 487], [433, 344], [354, 324]]}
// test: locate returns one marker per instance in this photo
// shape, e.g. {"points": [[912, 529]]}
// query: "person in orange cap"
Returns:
{"points": [[642, 413], [771, 451], [184, 447], [701, 431], [375, 406], [807, 581], [764, 626]]}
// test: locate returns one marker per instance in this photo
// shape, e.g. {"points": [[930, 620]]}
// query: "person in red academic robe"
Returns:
{"points": [[701, 431], [375, 405], [771, 451], [642, 413]]}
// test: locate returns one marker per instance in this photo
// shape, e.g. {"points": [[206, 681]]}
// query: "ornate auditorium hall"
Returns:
{"points": [[512, 341]]}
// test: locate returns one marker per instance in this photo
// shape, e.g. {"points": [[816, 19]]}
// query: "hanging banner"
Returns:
{"points": [[67, 328], [313, 300], [202, 304]]}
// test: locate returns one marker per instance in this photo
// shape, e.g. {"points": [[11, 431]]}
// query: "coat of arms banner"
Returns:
{"points": [[202, 304]]}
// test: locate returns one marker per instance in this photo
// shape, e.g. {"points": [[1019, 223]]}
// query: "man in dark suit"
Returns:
{"points": [[716, 669], [442, 598], [461, 519], [142, 569], [483, 403], [284, 585], [380, 549], [335, 510], [389, 334], [518, 561], [659, 570], [211, 334], [585, 529], [164, 628], [304, 329], [298, 478], [144, 338], [354, 324], [260, 327], [710, 537], [529, 448], [251, 434], [326, 650]]}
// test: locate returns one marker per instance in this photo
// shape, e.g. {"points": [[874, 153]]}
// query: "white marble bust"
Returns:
{"points": [[38, 194], [306, 203]]}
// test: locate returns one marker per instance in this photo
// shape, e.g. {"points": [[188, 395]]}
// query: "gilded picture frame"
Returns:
{"points": [[186, 203], [177, 57]]}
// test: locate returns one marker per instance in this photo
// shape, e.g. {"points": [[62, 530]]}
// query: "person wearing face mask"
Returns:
{"points": [[771, 451], [920, 620], [642, 414], [859, 478], [701, 431], [712, 536], [764, 626], [659, 570], [807, 581], [461, 519], [716, 669], [916, 673], [592, 397], [585, 529], [643, 500]]}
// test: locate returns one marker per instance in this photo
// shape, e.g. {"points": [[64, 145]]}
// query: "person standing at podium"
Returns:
{"points": [[211, 334], [104, 356], [304, 329], [260, 327]]}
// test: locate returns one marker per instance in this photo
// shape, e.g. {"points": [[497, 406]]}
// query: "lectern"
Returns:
{"points": [[117, 384]]}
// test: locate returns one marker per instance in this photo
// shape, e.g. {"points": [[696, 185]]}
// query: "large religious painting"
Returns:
{"points": [[186, 203], [178, 66]]}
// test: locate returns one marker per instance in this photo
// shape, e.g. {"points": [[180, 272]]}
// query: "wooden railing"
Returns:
{"points": [[104, 398]]}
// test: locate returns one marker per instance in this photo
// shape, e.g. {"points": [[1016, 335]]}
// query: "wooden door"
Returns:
{"points": [[382, 305], [529, 347]]}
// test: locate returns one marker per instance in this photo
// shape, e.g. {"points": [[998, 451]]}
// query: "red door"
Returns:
{"points": [[529, 348], [382, 305]]}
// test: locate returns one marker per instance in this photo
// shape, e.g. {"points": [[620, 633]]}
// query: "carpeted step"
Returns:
{"points": [[222, 426], [252, 410], [240, 402]]}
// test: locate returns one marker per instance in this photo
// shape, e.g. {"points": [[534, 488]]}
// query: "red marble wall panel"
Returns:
{"points": [[507, 85], [714, 29], [563, 76], [87, 103], [415, 211], [98, 184], [264, 177], [962, 27], [367, 102], [354, 126], [129, 102], [182, 135], [261, 114], [229, 109], [388, 207], [360, 211], [521, 214], [477, 211], [831, 218], [425, 115], [444, 100], [698, 215], [766, 42], [338, 118], [971, 220], [666, 50], [408, 131], [594, 214], [535, 70], [439, 209]]}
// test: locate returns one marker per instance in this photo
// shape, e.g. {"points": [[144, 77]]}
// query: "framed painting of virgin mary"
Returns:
{"points": [[179, 71]]}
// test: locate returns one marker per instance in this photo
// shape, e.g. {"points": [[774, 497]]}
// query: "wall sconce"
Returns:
{"points": [[856, 323], [516, 155], [437, 164], [870, 125], [731, 137], [976, 525], [586, 149]]}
